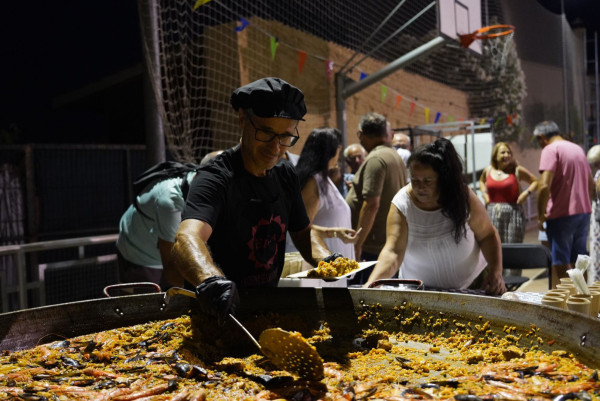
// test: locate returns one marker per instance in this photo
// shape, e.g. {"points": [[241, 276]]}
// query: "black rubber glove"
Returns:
{"points": [[218, 296], [332, 257]]}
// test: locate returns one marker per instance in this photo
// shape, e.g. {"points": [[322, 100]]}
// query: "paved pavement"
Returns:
{"points": [[539, 285], [531, 233]]}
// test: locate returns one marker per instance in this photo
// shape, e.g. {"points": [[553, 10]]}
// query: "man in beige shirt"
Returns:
{"points": [[374, 185]]}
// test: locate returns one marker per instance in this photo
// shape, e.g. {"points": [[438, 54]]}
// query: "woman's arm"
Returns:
{"points": [[308, 242], [346, 235], [525, 175], [391, 256], [489, 242], [482, 186], [543, 196], [310, 196]]}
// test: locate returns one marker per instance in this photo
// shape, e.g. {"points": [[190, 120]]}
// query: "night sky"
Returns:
{"points": [[63, 62], [579, 12], [51, 51]]}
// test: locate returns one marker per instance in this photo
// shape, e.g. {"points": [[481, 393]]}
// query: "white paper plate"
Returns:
{"points": [[361, 266]]}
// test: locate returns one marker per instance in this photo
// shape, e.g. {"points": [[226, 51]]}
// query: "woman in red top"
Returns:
{"points": [[499, 184]]}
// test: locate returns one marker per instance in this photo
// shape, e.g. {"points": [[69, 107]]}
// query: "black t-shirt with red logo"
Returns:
{"points": [[249, 216]]}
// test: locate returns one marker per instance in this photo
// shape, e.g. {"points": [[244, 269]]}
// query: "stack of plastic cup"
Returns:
{"points": [[570, 287], [577, 304], [555, 300], [564, 293]]}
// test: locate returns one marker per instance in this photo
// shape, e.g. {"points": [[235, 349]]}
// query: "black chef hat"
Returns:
{"points": [[270, 97]]}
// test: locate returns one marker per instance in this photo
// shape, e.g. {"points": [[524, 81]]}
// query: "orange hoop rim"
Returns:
{"points": [[467, 39]]}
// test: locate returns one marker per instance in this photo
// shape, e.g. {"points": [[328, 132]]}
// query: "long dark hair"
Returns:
{"points": [[454, 193], [321, 145]]}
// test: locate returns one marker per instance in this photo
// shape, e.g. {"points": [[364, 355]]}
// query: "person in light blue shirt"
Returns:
{"points": [[147, 233]]}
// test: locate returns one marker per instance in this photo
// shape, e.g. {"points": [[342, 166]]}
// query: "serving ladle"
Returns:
{"points": [[287, 350]]}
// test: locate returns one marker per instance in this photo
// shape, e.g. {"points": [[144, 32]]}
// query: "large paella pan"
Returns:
{"points": [[376, 344]]}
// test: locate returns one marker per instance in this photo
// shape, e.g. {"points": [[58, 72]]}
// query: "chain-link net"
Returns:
{"points": [[206, 52]]}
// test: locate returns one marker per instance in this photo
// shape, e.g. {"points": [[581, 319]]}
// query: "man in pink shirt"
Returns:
{"points": [[564, 197]]}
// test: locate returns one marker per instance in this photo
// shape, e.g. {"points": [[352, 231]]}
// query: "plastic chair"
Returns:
{"points": [[525, 256]]}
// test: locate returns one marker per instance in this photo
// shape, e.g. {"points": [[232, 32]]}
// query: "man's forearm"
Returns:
{"points": [[171, 273], [193, 259], [310, 244], [366, 218], [542, 202]]}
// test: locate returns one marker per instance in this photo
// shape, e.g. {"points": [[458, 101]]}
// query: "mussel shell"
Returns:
{"points": [[71, 362], [60, 344], [581, 395], [467, 397], [188, 371]]}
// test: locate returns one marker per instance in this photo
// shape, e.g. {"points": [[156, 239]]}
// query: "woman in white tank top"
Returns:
{"points": [[438, 230], [327, 209]]}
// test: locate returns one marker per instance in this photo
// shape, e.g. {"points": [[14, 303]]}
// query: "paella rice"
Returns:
{"points": [[335, 268], [159, 360]]}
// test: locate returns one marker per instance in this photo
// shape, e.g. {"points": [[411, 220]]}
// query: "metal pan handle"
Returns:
{"points": [[416, 284], [123, 287]]}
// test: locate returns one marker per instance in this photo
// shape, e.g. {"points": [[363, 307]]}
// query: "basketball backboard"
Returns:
{"points": [[459, 17]]}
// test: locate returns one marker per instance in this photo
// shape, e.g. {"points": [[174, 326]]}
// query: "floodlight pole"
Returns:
{"points": [[563, 26], [393, 66], [345, 87], [597, 94], [155, 137], [341, 81]]}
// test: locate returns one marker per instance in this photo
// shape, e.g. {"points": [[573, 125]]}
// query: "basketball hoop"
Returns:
{"points": [[487, 32], [498, 48]]}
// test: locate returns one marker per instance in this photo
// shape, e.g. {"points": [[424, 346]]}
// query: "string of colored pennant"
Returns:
{"points": [[274, 43]]}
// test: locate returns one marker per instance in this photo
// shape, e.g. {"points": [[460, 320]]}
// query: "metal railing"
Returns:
{"points": [[19, 253]]}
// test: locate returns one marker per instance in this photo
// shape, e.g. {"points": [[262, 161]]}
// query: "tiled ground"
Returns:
{"points": [[536, 285]]}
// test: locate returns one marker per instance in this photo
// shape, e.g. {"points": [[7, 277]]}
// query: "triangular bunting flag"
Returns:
{"points": [[450, 118], [437, 117], [301, 61], [242, 26], [509, 119], [426, 115], [412, 108], [398, 100], [200, 3], [363, 75], [383, 93], [274, 44]]}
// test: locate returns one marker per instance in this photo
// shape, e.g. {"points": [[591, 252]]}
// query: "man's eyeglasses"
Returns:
{"points": [[286, 139]]}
